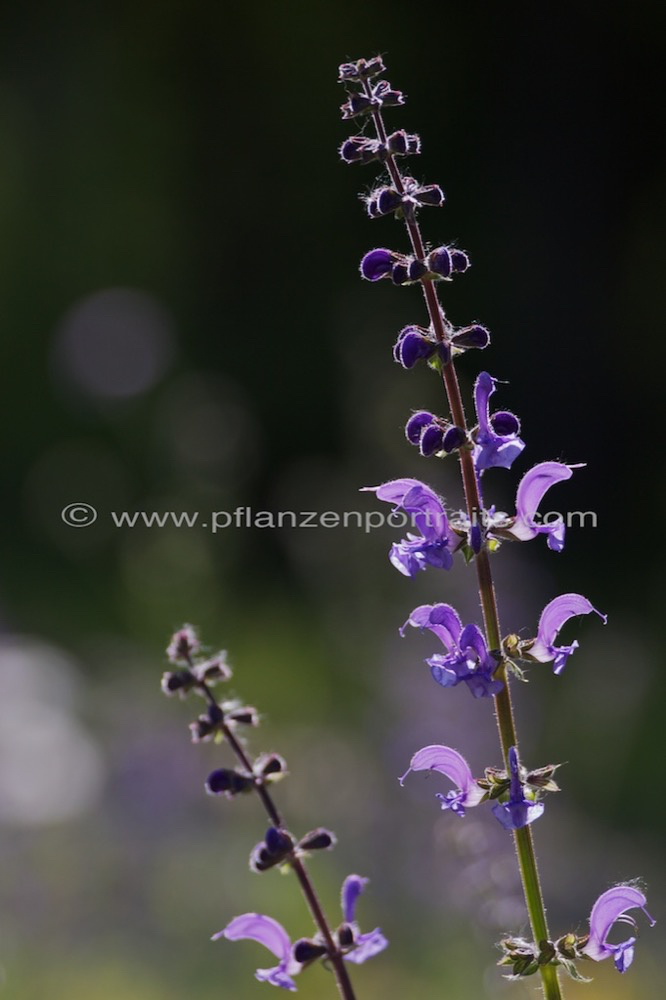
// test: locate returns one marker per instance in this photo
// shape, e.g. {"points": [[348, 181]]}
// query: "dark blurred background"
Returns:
{"points": [[184, 329]]}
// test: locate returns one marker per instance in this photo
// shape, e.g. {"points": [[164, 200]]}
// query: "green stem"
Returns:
{"points": [[503, 708]]}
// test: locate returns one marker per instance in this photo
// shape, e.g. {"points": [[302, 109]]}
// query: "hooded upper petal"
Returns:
{"points": [[441, 619], [553, 617], [449, 762], [272, 935], [352, 887], [531, 491], [609, 907]]}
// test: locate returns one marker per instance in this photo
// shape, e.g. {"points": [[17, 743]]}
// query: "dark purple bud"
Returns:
{"points": [[269, 764], [277, 841], [459, 261], [177, 682], [431, 440], [271, 851], [361, 69], [352, 148], [412, 347], [471, 337], [430, 195], [213, 670], [504, 423], [402, 144], [215, 714], [317, 840], [416, 269], [416, 423], [475, 538], [399, 274], [184, 644], [202, 729], [245, 716], [357, 104], [439, 262], [386, 96], [387, 200], [345, 935], [377, 264], [227, 782], [305, 951], [454, 438]]}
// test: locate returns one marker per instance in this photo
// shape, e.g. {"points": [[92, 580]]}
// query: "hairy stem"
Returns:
{"points": [[503, 708], [342, 979]]}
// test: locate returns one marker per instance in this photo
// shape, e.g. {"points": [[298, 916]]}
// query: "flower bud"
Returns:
{"points": [[317, 840], [439, 262], [471, 337], [505, 423], [377, 264], [184, 644], [177, 682], [270, 766], [431, 441], [225, 781], [459, 261], [306, 951], [416, 423], [454, 438]]}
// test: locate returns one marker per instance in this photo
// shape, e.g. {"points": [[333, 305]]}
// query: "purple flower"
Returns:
{"points": [[432, 546], [531, 490], [553, 617], [497, 441], [367, 945], [450, 763], [519, 811], [265, 930], [611, 906], [467, 658]]}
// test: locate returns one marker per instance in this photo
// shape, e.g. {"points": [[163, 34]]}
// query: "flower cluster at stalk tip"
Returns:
{"points": [[474, 656], [193, 671]]}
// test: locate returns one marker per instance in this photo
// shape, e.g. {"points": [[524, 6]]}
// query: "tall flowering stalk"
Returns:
{"points": [[224, 721], [480, 659]]}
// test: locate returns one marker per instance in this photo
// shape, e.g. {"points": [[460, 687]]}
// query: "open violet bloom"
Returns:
{"points": [[612, 906], [266, 931], [432, 547], [356, 947], [364, 946], [496, 440], [531, 491], [519, 811], [553, 617], [450, 763], [467, 659]]}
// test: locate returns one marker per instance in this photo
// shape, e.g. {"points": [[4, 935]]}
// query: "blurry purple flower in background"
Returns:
{"points": [[497, 441], [610, 907], [553, 617], [432, 546], [519, 811], [467, 659], [452, 764]]}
